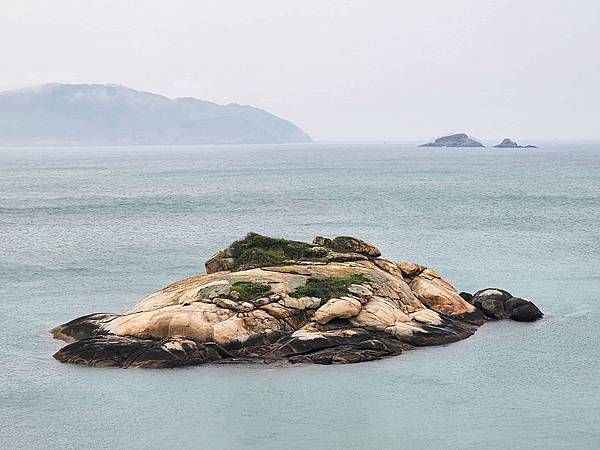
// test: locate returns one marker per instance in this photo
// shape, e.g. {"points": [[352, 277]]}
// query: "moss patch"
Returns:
{"points": [[260, 251], [326, 288], [250, 291]]}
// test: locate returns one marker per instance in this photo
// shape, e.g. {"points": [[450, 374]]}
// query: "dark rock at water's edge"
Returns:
{"points": [[104, 114], [466, 296], [454, 140], [267, 300], [129, 351], [499, 304], [508, 143]]}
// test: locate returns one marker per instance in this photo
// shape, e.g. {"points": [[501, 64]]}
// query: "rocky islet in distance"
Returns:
{"points": [[454, 140], [509, 143], [267, 300], [463, 140]]}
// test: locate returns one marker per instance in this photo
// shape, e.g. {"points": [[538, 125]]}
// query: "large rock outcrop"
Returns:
{"points": [[454, 140], [266, 300]]}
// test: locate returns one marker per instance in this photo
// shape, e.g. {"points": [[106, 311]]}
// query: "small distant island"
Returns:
{"points": [[454, 140], [463, 140], [509, 143]]}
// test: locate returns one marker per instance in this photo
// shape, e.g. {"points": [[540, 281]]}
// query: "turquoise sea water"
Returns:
{"points": [[95, 229]]}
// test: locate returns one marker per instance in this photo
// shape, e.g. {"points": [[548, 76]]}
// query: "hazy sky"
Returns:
{"points": [[341, 70]]}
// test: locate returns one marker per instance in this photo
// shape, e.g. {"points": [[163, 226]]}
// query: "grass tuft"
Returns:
{"points": [[326, 288], [250, 291]]}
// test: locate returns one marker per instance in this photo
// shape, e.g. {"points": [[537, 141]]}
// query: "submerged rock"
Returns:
{"points": [[332, 301], [454, 140], [508, 143]]}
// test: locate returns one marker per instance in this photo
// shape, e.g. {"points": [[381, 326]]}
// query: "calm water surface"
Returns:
{"points": [[95, 229]]}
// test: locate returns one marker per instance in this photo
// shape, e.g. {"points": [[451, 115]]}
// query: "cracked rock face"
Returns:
{"points": [[310, 307]]}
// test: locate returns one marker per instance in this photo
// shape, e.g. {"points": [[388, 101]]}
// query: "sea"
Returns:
{"points": [[95, 229]]}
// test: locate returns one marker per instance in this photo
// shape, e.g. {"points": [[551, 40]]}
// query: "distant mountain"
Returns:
{"points": [[99, 114], [454, 140]]}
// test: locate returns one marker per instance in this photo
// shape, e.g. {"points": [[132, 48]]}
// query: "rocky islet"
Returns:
{"points": [[454, 140], [463, 140], [509, 143], [268, 300]]}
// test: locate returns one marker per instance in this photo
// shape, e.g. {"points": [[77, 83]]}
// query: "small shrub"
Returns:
{"points": [[250, 291], [326, 288], [318, 252], [257, 257]]}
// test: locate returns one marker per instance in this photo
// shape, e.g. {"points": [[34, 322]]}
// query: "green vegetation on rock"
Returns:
{"points": [[326, 288], [348, 244], [250, 291], [260, 251]]}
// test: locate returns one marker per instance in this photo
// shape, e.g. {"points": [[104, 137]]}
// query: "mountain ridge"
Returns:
{"points": [[112, 114]]}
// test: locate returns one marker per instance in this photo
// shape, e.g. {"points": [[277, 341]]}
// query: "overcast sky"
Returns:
{"points": [[341, 70]]}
